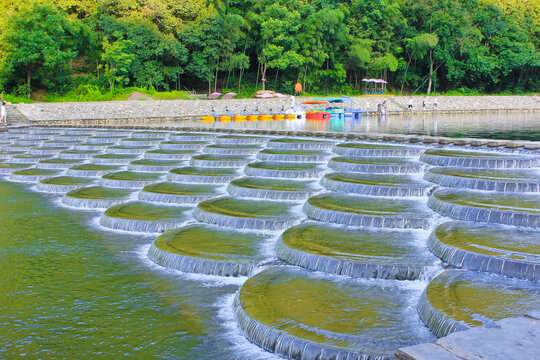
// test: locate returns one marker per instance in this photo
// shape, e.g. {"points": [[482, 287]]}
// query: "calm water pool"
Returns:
{"points": [[486, 125]]}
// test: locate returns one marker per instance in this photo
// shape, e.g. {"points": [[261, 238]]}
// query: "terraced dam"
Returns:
{"points": [[123, 243]]}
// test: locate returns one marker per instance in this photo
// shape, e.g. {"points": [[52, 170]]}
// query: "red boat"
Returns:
{"points": [[318, 115]]}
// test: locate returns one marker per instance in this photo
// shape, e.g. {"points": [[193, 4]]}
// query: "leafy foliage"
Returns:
{"points": [[63, 46]]}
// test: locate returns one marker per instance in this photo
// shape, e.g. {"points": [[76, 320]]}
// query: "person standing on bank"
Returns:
{"points": [[410, 103], [3, 115], [435, 103]]}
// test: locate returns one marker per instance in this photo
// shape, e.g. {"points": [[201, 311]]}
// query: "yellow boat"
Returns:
{"points": [[279, 117], [253, 118], [290, 117], [225, 118], [266, 117], [208, 119], [239, 118]]}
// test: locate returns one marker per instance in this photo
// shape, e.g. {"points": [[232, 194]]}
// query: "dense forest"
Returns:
{"points": [[418, 46]]}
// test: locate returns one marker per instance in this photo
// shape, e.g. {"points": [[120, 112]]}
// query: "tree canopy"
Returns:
{"points": [[328, 45]]}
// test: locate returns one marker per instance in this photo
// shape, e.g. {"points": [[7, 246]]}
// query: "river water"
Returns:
{"points": [[70, 290]]}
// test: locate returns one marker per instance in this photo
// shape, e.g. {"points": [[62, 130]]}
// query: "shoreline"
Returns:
{"points": [[145, 109]]}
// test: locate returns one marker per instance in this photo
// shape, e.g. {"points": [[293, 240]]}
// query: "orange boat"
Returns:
{"points": [[208, 119], [290, 117], [225, 118], [266, 117], [253, 118], [315, 102], [318, 115], [279, 117], [239, 118]]}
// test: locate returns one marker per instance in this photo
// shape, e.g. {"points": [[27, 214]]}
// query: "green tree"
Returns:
{"points": [[38, 46]]}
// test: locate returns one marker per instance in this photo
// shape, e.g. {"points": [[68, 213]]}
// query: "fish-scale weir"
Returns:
{"points": [[284, 170], [232, 149], [246, 214], [301, 315], [129, 179], [508, 251], [273, 189], [160, 154], [367, 211], [226, 161], [209, 250], [376, 165], [337, 290], [33, 175], [178, 193], [62, 184], [186, 145], [375, 149], [314, 156], [375, 184], [473, 159], [144, 217], [299, 144], [486, 179], [494, 208], [457, 300], [358, 253], [96, 197], [204, 175]]}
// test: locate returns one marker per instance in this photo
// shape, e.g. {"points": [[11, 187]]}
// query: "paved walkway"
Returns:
{"points": [[507, 339]]}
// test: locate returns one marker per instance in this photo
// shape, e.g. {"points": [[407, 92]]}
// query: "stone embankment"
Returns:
{"points": [[174, 109], [512, 338]]}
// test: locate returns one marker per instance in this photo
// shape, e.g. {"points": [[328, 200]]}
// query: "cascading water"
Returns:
{"points": [[359, 253], [246, 214], [503, 250], [375, 149], [328, 309], [160, 154], [232, 149], [96, 197], [375, 184], [368, 211], [494, 208], [203, 175], [472, 159], [299, 144], [457, 300], [271, 189], [145, 217], [178, 193], [486, 179], [208, 249], [376, 165], [314, 156], [92, 170], [285, 170], [226, 161], [190, 145], [63, 184]]}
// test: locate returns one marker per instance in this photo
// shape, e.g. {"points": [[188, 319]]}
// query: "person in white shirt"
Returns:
{"points": [[3, 115]]}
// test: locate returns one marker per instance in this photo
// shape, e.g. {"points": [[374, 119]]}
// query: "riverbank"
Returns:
{"points": [[187, 108]]}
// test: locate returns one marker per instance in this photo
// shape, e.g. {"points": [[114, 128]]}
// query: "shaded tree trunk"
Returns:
{"points": [[430, 83]]}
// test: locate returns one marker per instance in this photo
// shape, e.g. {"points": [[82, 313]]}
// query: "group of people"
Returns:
{"points": [[3, 114], [424, 103]]}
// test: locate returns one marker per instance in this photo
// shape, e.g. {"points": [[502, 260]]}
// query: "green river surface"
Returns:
{"points": [[71, 290]]}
